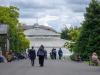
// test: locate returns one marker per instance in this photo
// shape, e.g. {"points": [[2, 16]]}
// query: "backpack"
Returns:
{"points": [[40, 53]]}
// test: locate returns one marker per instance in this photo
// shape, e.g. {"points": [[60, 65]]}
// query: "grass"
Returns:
{"points": [[90, 63]]}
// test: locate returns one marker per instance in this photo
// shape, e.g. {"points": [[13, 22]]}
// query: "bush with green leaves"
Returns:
{"points": [[9, 15]]}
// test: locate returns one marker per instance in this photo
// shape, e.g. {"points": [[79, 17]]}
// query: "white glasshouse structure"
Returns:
{"points": [[44, 35]]}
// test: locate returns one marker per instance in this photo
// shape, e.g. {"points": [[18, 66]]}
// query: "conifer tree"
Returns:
{"points": [[89, 38]]}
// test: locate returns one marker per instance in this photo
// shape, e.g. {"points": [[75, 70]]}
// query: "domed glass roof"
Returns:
{"points": [[40, 30]]}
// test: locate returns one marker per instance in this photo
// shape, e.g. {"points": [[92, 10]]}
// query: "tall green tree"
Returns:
{"points": [[9, 15], [88, 40]]}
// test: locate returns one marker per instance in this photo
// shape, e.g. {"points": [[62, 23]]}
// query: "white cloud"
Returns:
{"points": [[41, 21], [55, 13], [28, 21], [44, 20]]}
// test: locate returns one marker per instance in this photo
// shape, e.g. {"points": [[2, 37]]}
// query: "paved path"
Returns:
{"points": [[55, 67]]}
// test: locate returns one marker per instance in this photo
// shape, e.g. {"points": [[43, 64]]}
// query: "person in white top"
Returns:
{"points": [[95, 58]]}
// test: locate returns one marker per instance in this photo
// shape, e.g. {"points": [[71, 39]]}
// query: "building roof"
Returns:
{"points": [[39, 34], [36, 25], [40, 30]]}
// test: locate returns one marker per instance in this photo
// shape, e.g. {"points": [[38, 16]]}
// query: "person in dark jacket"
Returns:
{"points": [[60, 53], [41, 55], [54, 53], [32, 55]]}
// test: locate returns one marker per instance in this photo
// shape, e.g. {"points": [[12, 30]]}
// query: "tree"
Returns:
{"points": [[74, 33], [9, 16], [23, 43], [88, 40], [64, 34]]}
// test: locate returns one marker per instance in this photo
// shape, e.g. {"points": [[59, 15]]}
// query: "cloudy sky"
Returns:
{"points": [[54, 13]]}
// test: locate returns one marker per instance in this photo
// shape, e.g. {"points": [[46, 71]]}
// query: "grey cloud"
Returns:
{"points": [[4, 3], [78, 8], [32, 4], [31, 13], [32, 9], [78, 1], [78, 5], [74, 5]]}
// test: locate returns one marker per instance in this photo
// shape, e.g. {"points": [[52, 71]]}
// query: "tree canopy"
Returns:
{"points": [[9, 15], [70, 33], [64, 34], [88, 40]]}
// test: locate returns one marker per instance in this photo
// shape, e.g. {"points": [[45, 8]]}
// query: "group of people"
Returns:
{"points": [[41, 54], [9, 56], [53, 53]]}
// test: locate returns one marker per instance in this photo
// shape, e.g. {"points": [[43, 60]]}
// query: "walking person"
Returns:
{"points": [[54, 53], [60, 53], [41, 55], [32, 55]]}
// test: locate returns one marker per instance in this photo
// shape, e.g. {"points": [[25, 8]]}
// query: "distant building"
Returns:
{"points": [[47, 36]]}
